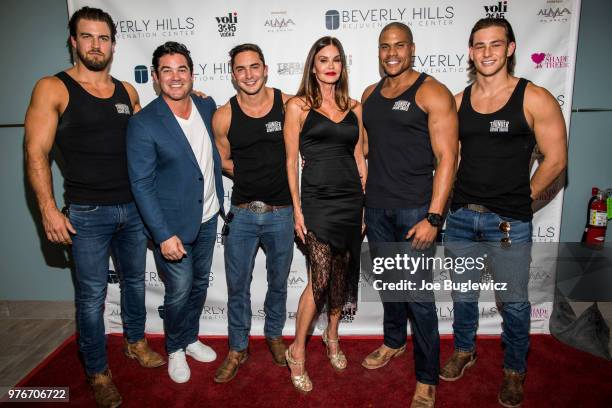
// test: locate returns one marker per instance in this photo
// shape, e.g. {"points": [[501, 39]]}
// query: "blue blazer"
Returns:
{"points": [[166, 180]]}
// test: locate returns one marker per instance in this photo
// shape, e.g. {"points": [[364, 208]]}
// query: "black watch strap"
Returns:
{"points": [[434, 219]]}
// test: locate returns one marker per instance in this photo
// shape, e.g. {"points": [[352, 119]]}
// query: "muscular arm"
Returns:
{"points": [[291, 132], [437, 101], [49, 98], [550, 133], [134, 98], [359, 156], [221, 123], [366, 94]]}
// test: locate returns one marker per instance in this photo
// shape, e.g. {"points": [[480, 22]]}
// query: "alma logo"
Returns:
{"points": [[332, 20], [554, 14], [496, 10], [141, 74], [279, 21], [227, 25]]}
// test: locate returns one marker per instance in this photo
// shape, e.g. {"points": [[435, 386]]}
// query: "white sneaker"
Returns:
{"points": [[201, 352], [177, 367]]}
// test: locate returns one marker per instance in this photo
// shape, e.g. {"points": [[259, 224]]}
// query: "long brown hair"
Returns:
{"points": [[309, 87]]}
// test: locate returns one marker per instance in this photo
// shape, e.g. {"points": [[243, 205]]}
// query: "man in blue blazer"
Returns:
{"points": [[175, 175]]}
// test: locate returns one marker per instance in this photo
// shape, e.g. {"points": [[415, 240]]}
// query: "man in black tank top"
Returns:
{"points": [[501, 119], [249, 136], [411, 127], [86, 111]]}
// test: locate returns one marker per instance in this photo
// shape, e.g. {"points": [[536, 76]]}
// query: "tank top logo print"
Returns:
{"points": [[274, 126], [499, 126], [122, 108], [401, 105]]}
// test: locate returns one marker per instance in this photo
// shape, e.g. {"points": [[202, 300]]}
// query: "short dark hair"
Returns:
{"points": [[493, 22], [88, 13], [242, 48], [398, 25], [172, 47], [94, 14]]}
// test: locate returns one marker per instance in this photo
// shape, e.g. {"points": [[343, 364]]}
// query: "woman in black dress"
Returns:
{"points": [[324, 125]]}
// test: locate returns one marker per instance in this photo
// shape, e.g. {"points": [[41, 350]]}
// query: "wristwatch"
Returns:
{"points": [[434, 219]]}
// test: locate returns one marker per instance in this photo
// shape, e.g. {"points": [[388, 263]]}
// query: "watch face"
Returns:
{"points": [[434, 219]]}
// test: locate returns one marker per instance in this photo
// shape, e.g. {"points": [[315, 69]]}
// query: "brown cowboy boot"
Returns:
{"points": [[381, 356], [511, 394], [424, 396], [457, 364], [141, 352], [105, 392], [277, 348], [227, 371]]}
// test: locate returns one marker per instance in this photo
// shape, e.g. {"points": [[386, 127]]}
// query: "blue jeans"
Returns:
{"points": [[115, 230], [508, 265], [392, 225], [186, 283], [247, 231]]}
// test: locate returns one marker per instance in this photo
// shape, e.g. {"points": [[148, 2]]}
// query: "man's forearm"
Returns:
{"points": [[546, 173], [442, 185], [41, 181]]}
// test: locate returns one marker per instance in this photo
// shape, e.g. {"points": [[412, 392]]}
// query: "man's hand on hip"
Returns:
{"points": [[57, 226], [172, 249]]}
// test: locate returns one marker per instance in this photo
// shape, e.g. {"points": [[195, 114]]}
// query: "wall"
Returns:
{"points": [[31, 268]]}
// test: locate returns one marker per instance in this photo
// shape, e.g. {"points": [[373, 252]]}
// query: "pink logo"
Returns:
{"points": [[538, 58]]}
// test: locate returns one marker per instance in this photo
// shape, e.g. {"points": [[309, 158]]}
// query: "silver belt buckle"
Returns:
{"points": [[258, 207]]}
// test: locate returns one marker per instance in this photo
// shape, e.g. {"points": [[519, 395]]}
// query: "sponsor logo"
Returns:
{"points": [[152, 279], [401, 105], [296, 280], [549, 61], [332, 20], [273, 127], [161, 311], [291, 315], [215, 71], [499, 126], [115, 311], [497, 10], [112, 278], [227, 25], [168, 27], [279, 22], [213, 313], [141, 74], [439, 63], [122, 109], [290, 68], [539, 313], [554, 14], [561, 100], [544, 233], [377, 18], [347, 317]]}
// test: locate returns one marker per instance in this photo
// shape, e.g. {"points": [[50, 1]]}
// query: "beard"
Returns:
{"points": [[93, 64]]}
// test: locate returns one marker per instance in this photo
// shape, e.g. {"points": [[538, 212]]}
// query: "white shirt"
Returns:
{"points": [[197, 136]]}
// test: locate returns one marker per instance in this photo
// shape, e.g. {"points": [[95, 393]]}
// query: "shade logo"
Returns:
{"points": [[151, 28], [227, 25], [362, 19], [549, 61], [498, 10], [552, 15], [439, 63], [279, 22], [141, 74]]}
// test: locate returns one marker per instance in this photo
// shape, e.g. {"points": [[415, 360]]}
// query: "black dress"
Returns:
{"points": [[332, 204]]}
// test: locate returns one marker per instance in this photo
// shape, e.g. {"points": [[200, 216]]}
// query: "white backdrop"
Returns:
{"points": [[546, 33]]}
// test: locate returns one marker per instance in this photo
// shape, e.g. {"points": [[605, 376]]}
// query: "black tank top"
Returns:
{"points": [[495, 155], [91, 138], [400, 159], [258, 152]]}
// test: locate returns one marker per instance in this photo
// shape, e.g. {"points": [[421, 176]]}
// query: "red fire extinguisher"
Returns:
{"points": [[597, 219]]}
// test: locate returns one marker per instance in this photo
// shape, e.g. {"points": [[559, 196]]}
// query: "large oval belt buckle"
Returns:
{"points": [[258, 207]]}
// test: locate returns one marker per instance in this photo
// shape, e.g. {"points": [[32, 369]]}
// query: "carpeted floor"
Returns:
{"points": [[559, 376]]}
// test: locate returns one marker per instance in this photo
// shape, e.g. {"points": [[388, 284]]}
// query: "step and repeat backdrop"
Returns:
{"points": [[546, 33]]}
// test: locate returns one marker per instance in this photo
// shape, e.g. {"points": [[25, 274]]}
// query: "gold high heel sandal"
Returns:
{"points": [[300, 382], [337, 360]]}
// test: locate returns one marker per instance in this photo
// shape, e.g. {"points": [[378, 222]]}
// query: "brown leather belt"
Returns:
{"points": [[476, 207], [260, 207]]}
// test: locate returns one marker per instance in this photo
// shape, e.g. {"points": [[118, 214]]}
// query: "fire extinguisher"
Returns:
{"points": [[597, 219]]}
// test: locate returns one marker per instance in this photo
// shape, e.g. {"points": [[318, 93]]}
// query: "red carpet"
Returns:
{"points": [[559, 376]]}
